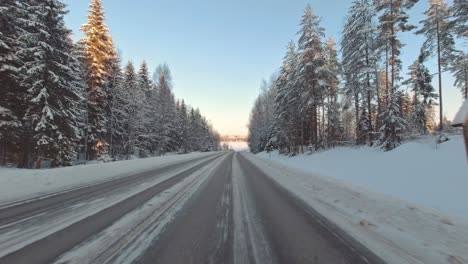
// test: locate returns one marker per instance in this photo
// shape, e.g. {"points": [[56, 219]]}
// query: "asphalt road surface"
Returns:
{"points": [[215, 209]]}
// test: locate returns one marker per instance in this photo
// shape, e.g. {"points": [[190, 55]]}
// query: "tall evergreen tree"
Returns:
{"points": [[459, 12], [144, 79], [420, 82], [183, 127], [145, 86], [332, 83], [11, 93], [393, 20], [54, 85], [166, 104], [115, 108], [439, 39], [287, 103], [311, 60], [359, 61], [135, 100], [100, 53]]}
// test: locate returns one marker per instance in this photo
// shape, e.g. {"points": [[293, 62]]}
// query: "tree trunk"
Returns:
{"points": [[369, 104], [386, 71], [465, 135], [379, 103], [441, 118], [356, 106], [466, 83], [314, 124], [393, 47]]}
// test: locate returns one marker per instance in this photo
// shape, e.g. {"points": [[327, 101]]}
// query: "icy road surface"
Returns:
{"points": [[217, 208]]}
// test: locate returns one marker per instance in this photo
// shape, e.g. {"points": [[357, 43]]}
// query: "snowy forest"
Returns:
{"points": [[63, 101], [320, 100]]}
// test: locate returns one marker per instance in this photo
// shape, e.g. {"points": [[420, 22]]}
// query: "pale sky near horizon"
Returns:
{"points": [[220, 50]]}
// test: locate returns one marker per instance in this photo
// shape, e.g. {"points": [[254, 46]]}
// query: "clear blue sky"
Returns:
{"points": [[220, 50]]}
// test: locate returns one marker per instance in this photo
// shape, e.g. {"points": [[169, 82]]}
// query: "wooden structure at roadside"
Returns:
{"points": [[461, 120]]}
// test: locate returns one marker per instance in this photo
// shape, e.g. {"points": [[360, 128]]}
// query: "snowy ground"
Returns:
{"points": [[20, 184], [396, 203], [420, 172]]}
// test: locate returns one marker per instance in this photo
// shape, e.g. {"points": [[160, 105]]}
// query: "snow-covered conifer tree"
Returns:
{"points": [[393, 125], [359, 63], [459, 12], [311, 60], [11, 93], [100, 54], [439, 40], [54, 85]]}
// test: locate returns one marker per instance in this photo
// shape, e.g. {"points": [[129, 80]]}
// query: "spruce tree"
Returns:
{"points": [[286, 102], [420, 82], [183, 127], [393, 125], [11, 92], [54, 85], [311, 61], [145, 86], [115, 108], [144, 79], [166, 105], [135, 100], [100, 54]]}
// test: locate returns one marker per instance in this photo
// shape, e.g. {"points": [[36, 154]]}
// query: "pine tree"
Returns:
{"points": [[359, 62], [53, 85], [459, 68], [459, 12], [332, 84], [439, 39], [100, 54], [393, 20]]}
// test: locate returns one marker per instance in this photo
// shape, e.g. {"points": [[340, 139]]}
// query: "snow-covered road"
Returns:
{"points": [[211, 208]]}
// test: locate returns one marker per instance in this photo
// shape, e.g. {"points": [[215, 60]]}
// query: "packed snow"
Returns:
{"points": [[406, 205], [20, 184]]}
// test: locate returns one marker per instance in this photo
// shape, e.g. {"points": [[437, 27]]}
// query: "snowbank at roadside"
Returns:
{"points": [[433, 176], [19, 184], [398, 231]]}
